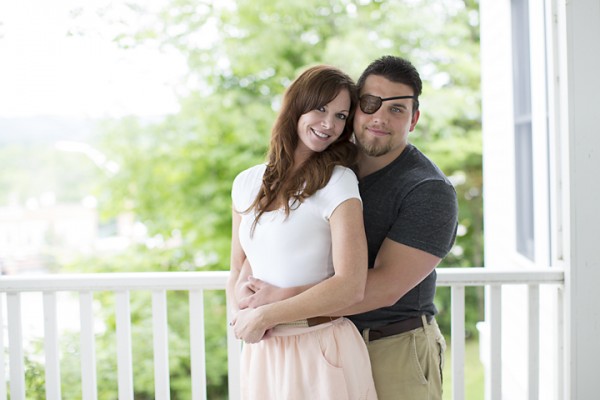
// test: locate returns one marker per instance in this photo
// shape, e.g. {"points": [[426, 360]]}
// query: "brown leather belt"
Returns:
{"points": [[319, 320], [398, 327], [305, 323]]}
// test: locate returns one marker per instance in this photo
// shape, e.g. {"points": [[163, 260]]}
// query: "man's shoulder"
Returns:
{"points": [[412, 169], [423, 166]]}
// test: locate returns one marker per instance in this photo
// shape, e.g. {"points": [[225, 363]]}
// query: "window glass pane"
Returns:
{"points": [[523, 139]]}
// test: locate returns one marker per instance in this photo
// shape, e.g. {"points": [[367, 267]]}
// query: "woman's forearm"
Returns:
{"points": [[346, 287]]}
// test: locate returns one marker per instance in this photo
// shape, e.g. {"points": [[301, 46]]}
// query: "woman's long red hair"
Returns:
{"points": [[283, 186]]}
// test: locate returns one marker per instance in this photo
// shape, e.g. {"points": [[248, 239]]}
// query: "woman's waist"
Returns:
{"points": [[306, 325]]}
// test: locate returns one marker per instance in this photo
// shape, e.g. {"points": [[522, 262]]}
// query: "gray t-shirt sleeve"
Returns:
{"points": [[427, 219]]}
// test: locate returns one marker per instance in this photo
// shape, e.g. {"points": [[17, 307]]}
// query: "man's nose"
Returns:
{"points": [[377, 116]]}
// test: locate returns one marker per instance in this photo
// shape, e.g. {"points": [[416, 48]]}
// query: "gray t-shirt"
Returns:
{"points": [[411, 202]]}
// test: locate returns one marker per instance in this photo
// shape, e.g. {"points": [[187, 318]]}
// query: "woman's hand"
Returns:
{"points": [[248, 325], [259, 293]]}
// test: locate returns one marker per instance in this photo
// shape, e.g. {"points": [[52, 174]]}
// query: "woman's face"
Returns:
{"points": [[318, 128]]}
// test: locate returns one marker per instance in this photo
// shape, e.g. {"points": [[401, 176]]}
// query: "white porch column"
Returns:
{"points": [[580, 130]]}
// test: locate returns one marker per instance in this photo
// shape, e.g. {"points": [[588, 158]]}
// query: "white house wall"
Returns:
{"points": [[565, 65]]}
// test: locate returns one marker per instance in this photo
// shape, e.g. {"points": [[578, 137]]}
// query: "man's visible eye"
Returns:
{"points": [[343, 117], [396, 110]]}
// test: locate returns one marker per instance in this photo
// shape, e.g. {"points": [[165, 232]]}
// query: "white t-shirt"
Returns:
{"points": [[295, 250]]}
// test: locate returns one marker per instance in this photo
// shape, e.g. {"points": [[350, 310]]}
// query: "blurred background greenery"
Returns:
{"points": [[174, 173]]}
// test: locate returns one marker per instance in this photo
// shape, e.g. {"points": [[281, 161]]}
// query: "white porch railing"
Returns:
{"points": [[493, 280], [11, 289]]}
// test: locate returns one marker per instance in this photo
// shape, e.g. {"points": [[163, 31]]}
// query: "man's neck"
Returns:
{"points": [[368, 165]]}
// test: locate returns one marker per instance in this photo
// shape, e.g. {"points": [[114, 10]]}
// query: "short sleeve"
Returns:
{"points": [[245, 187], [235, 193], [428, 218], [342, 185]]}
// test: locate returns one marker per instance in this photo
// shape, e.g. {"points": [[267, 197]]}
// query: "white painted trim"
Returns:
{"points": [[540, 145], [51, 350], [160, 338], [458, 341], [15, 353], [197, 345], [89, 384], [3, 394], [124, 352], [582, 30]]}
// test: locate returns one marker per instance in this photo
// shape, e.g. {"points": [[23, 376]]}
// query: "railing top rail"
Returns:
{"points": [[115, 281], [498, 276], [217, 279]]}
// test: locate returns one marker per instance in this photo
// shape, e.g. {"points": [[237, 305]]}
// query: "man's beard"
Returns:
{"points": [[372, 150]]}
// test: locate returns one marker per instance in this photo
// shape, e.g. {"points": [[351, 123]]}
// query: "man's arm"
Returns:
{"points": [[398, 269]]}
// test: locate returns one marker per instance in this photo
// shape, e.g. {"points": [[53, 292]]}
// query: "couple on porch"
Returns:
{"points": [[342, 188]]}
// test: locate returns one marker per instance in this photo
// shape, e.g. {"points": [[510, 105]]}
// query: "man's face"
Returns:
{"points": [[385, 132]]}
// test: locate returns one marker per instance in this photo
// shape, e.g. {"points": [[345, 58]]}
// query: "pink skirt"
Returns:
{"points": [[324, 362]]}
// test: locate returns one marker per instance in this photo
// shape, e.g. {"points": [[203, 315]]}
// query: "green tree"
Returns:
{"points": [[176, 175]]}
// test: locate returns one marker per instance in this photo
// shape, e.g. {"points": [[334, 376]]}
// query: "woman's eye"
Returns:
{"points": [[322, 108], [343, 117]]}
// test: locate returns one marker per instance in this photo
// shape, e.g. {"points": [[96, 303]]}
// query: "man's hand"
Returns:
{"points": [[259, 293]]}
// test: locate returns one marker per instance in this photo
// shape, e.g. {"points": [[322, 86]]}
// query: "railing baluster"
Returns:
{"points": [[88, 348], [233, 360], [3, 393], [15, 340], [197, 346], [161, 344], [124, 357], [52, 363], [458, 342], [495, 331], [533, 341]]}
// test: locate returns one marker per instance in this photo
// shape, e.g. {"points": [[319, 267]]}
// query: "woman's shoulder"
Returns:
{"points": [[342, 185], [246, 185], [342, 179], [341, 173], [251, 173]]}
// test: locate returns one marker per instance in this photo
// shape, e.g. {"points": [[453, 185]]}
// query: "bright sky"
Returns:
{"points": [[45, 72]]}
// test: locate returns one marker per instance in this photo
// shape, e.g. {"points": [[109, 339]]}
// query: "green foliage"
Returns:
{"points": [[176, 175], [34, 373]]}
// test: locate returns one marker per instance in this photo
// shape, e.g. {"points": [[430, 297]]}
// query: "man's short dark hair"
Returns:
{"points": [[395, 69]]}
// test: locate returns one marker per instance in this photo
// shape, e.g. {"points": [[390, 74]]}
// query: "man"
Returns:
{"points": [[410, 215]]}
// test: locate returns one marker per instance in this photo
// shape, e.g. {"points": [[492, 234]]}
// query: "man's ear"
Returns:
{"points": [[414, 120]]}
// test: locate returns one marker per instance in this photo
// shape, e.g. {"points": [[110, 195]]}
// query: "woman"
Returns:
{"points": [[297, 221]]}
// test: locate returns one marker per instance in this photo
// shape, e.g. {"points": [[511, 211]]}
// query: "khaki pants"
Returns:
{"points": [[408, 366]]}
